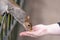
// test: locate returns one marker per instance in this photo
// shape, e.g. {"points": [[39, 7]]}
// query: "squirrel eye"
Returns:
{"points": [[28, 25]]}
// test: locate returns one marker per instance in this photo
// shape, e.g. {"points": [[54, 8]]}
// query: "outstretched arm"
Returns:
{"points": [[40, 30]]}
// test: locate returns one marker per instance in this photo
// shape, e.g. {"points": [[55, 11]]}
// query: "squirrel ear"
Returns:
{"points": [[28, 17]]}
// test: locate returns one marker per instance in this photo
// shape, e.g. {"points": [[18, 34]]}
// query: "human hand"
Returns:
{"points": [[40, 30], [37, 31]]}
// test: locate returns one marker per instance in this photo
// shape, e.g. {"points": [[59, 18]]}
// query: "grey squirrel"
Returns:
{"points": [[28, 24]]}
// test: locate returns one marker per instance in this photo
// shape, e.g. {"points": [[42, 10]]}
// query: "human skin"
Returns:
{"points": [[40, 30]]}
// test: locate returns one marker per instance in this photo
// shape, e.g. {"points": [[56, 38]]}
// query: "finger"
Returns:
{"points": [[25, 33], [31, 34]]}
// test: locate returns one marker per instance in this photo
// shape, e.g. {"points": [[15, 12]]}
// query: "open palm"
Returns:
{"points": [[37, 30]]}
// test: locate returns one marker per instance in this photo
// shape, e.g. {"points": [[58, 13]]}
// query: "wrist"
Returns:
{"points": [[53, 29]]}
